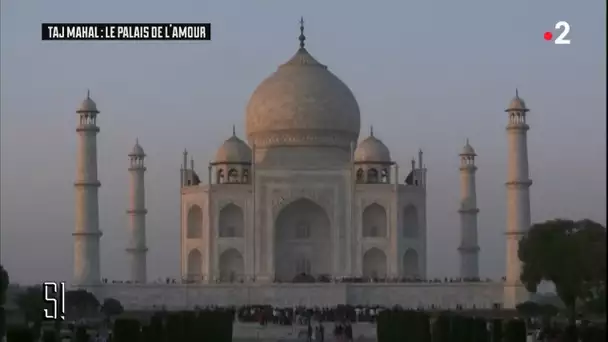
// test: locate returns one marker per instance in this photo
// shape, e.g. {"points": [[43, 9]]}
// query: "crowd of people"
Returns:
{"points": [[304, 278], [343, 331], [300, 315]]}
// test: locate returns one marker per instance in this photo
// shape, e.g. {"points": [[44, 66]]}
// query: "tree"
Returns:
{"points": [[529, 309], [595, 300], [111, 307], [81, 302], [31, 303], [534, 309], [4, 280], [571, 254]]}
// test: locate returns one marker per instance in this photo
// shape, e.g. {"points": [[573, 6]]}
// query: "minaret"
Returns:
{"points": [[137, 215], [86, 231], [518, 198], [469, 248]]}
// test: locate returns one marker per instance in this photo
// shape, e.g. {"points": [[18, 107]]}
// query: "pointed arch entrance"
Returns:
{"points": [[194, 222], [231, 222], [231, 266], [374, 263], [195, 265], [411, 269], [374, 221], [302, 237]]}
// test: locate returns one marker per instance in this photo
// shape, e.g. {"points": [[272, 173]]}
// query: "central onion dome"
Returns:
{"points": [[302, 104]]}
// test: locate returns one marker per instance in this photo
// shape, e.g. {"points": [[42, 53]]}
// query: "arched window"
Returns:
{"points": [[360, 175], [220, 176], [231, 222], [233, 176], [372, 176], [384, 176], [246, 176]]}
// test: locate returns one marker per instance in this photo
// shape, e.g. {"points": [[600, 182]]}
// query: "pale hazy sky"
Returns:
{"points": [[425, 73]]}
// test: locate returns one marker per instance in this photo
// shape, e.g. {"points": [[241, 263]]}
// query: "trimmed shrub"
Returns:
{"points": [[19, 334], [147, 334], [468, 330], [425, 327], [49, 336], [442, 328], [394, 325], [481, 330], [599, 334], [126, 330], [82, 335], [174, 330], [458, 329], [496, 330], [156, 328], [215, 325], [2, 322], [382, 325], [515, 331]]}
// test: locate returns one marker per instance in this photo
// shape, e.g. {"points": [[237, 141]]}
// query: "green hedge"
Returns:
{"points": [[515, 331], [481, 330], [2, 322], [496, 330], [126, 330], [442, 328], [19, 334], [50, 336], [186, 326], [403, 325]]}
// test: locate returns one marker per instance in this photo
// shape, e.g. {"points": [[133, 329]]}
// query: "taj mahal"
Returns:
{"points": [[303, 202]]}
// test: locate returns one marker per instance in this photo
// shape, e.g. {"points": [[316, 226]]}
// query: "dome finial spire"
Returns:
{"points": [[302, 37], [371, 130], [88, 93], [233, 130], [516, 93]]}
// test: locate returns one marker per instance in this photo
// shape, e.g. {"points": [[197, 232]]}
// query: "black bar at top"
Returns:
{"points": [[130, 31]]}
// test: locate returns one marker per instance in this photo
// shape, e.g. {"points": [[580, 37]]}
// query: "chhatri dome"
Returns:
{"points": [[468, 150], [137, 150], [517, 103], [303, 104], [372, 150], [87, 105], [233, 150]]}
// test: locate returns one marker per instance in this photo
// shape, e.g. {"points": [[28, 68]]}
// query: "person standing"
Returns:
{"points": [[348, 331], [321, 332], [309, 332], [339, 332]]}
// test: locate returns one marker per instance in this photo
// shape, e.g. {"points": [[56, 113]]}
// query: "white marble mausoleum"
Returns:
{"points": [[303, 195]]}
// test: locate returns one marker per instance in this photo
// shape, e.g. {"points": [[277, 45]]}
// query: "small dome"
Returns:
{"points": [[468, 150], [517, 103], [137, 151], [372, 150], [233, 150], [87, 106]]}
